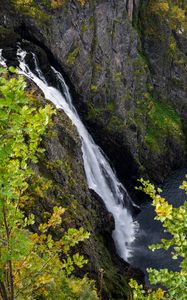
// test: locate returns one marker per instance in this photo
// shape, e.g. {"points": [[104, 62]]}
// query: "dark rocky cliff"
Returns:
{"points": [[124, 81], [62, 165], [130, 93]]}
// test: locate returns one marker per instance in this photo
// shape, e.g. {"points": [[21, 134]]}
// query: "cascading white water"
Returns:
{"points": [[99, 174], [2, 60]]}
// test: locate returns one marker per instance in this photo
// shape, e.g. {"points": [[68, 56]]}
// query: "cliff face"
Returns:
{"points": [[130, 93], [164, 42], [124, 88], [62, 165]]}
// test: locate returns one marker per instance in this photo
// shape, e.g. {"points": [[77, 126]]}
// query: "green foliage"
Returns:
{"points": [[93, 88], [107, 116], [117, 76], [174, 220], [172, 11], [95, 112], [162, 121], [72, 56], [56, 3], [30, 8], [37, 9], [157, 15], [59, 3], [30, 264], [116, 124], [65, 167]]}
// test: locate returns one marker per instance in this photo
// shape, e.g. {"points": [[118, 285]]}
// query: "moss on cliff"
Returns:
{"points": [[163, 122], [107, 117], [32, 9], [72, 56]]}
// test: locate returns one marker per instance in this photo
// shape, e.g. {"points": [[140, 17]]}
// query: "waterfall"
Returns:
{"points": [[2, 59], [99, 174]]}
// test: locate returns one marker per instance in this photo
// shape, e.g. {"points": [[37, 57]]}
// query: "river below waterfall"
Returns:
{"points": [[151, 231]]}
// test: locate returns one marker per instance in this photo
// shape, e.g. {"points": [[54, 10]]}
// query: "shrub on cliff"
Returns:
{"points": [[32, 265], [174, 221], [170, 12], [35, 8]]}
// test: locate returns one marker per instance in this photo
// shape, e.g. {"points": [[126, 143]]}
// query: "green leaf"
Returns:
{"points": [[12, 69]]}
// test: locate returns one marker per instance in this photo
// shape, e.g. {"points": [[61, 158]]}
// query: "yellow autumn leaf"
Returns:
{"points": [[44, 279], [163, 209], [159, 294], [82, 2], [56, 216]]}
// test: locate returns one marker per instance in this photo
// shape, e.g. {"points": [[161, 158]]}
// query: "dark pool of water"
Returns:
{"points": [[151, 230]]}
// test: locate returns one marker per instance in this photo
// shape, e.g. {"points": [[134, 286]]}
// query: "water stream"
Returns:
{"points": [[2, 59], [100, 176]]}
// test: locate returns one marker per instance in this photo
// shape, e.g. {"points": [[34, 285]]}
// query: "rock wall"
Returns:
{"points": [[107, 61], [130, 93], [62, 165]]}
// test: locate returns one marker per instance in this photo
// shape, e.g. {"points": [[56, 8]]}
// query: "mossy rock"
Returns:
{"points": [[163, 121], [72, 56], [31, 9]]}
